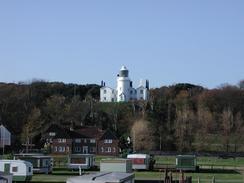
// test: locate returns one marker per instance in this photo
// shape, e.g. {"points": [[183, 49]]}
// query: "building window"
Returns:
{"points": [[104, 98], [77, 140], [108, 149], [15, 169], [135, 91], [55, 148], [141, 98], [92, 149], [102, 149], [104, 91], [141, 91], [85, 141], [52, 134], [131, 92], [92, 141], [61, 149], [114, 149], [62, 140], [67, 148], [108, 141], [112, 99], [77, 149]]}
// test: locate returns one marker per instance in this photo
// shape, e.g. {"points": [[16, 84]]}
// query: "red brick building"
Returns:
{"points": [[85, 140], [108, 144]]}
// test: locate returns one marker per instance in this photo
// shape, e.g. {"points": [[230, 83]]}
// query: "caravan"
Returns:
{"points": [[21, 170], [40, 162]]}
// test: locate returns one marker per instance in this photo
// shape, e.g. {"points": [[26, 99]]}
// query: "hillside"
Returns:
{"points": [[181, 117]]}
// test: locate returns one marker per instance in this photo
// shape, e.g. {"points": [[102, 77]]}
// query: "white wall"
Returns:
{"points": [[107, 94]]}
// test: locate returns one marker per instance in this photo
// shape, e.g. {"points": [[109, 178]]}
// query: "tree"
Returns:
{"points": [[142, 136], [32, 127], [184, 125], [54, 109], [204, 127], [227, 125], [238, 131]]}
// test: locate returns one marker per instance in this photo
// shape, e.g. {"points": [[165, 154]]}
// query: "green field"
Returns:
{"points": [[224, 170]]}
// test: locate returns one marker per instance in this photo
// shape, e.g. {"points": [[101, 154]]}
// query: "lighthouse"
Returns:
{"points": [[123, 85], [124, 91]]}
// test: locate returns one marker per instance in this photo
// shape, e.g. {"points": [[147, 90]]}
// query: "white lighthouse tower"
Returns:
{"points": [[124, 91], [123, 85]]}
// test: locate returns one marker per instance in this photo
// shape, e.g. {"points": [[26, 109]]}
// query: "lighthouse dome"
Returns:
{"points": [[123, 68], [124, 72]]}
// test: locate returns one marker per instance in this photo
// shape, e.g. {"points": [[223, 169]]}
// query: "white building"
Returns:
{"points": [[5, 136], [124, 91]]}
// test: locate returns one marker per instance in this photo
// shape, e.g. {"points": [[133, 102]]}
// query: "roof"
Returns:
{"points": [[107, 87], [138, 156], [101, 177], [61, 132], [16, 161], [32, 155], [90, 131], [108, 135], [81, 155]]}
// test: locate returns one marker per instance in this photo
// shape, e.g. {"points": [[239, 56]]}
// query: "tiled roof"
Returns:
{"points": [[61, 132], [108, 135], [90, 131]]}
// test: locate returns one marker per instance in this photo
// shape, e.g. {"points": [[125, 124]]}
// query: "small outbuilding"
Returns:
{"points": [[5, 136], [81, 161], [116, 165], [186, 162], [140, 161], [41, 163]]}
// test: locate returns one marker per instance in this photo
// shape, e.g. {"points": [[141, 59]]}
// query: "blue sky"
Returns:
{"points": [[167, 42]]}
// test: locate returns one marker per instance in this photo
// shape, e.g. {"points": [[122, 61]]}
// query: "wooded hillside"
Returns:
{"points": [[181, 117]]}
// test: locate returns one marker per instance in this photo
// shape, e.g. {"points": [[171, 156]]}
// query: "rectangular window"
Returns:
{"points": [[108, 149], [92, 141], [15, 169], [85, 140], [104, 98], [141, 91], [77, 140], [108, 141], [77, 149], [92, 149], [61, 140], [104, 91], [102, 149], [52, 134]]}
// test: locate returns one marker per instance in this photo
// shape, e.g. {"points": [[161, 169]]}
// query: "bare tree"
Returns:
{"points": [[227, 125], [142, 136]]}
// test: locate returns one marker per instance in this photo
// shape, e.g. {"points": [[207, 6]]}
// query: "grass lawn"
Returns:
{"points": [[204, 161], [227, 176], [219, 170]]}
